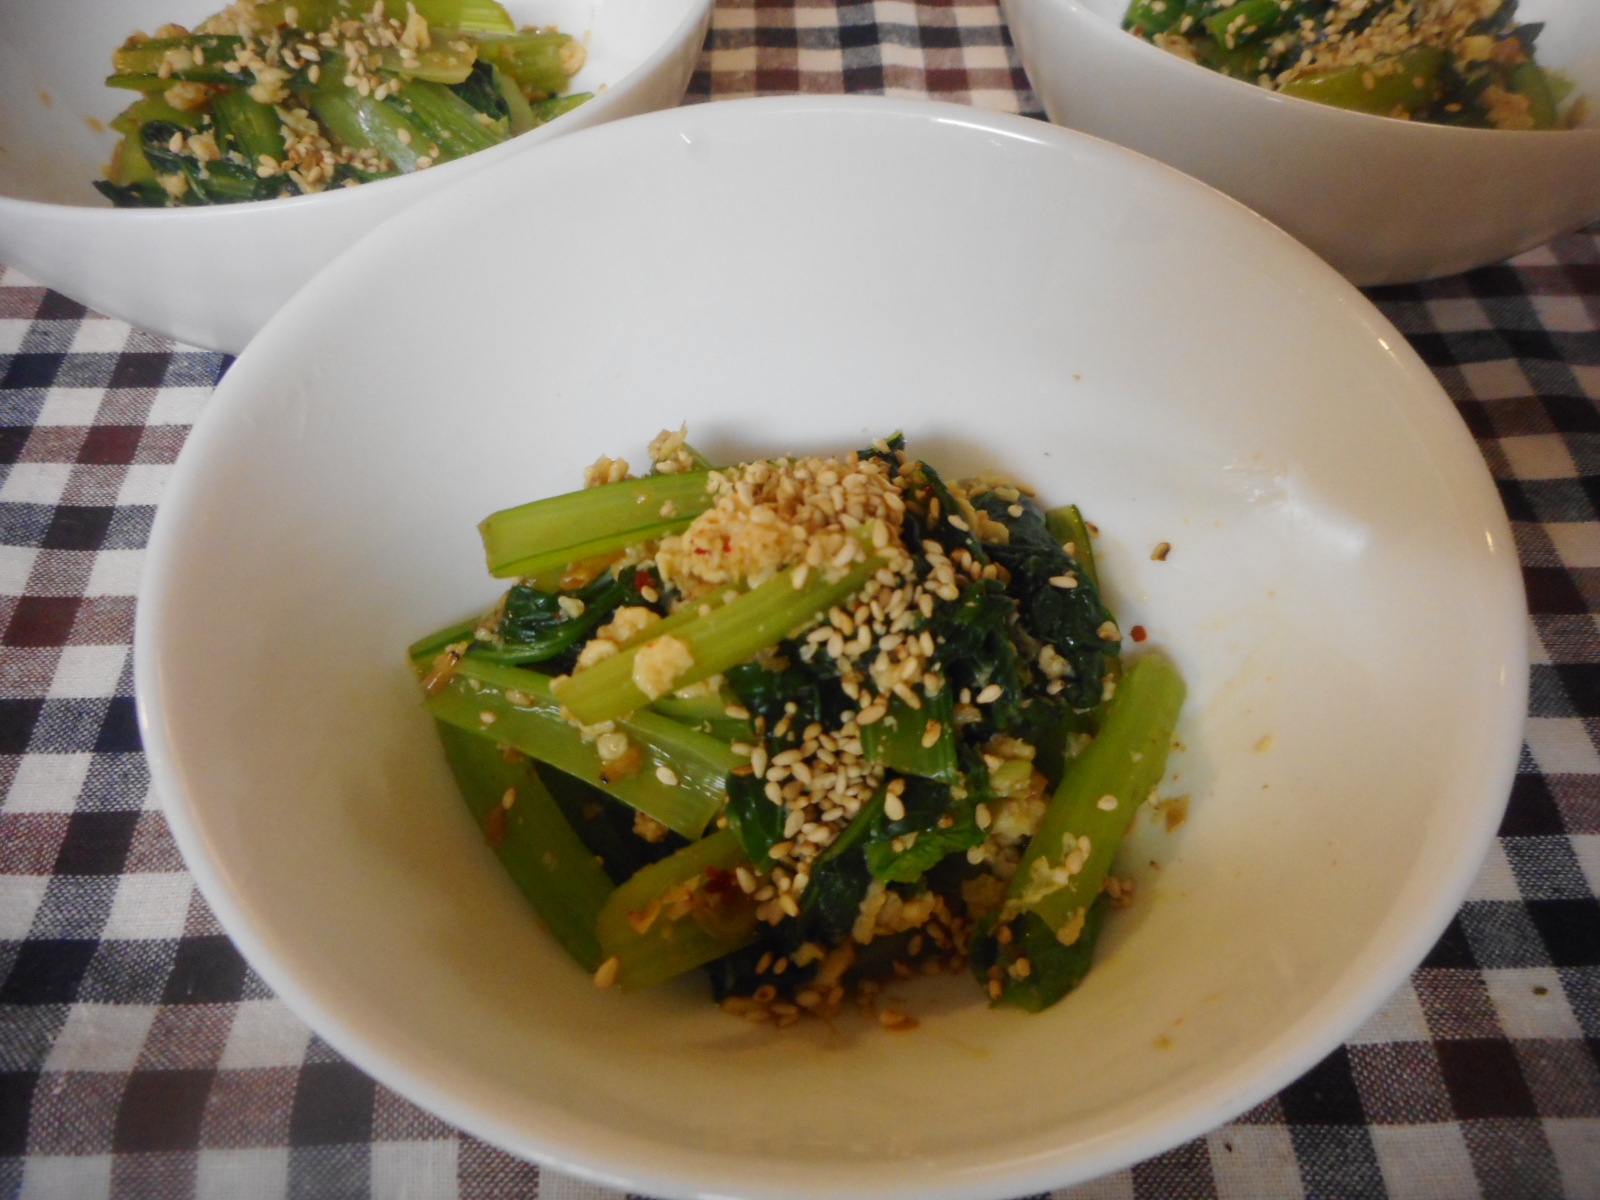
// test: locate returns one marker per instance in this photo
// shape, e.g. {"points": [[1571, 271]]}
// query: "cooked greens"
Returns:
{"points": [[819, 722], [1447, 62], [268, 99]]}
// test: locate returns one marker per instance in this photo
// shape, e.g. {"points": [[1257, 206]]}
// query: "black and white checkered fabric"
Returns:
{"points": [[141, 1057]]}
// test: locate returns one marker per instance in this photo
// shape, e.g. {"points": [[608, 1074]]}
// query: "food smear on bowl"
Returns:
{"points": [[1447, 62], [270, 98], [809, 723]]}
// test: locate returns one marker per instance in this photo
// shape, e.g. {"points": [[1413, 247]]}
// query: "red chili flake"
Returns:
{"points": [[494, 826], [1137, 633], [642, 580]]}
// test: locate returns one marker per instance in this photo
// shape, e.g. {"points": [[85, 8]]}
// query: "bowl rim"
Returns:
{"points": [[1297, 107], [623, 1161], [614, 95]]}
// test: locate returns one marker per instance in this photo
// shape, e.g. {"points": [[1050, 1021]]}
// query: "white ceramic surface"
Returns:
{"points": [[803, 273], [212, 276], [1384, 201]]}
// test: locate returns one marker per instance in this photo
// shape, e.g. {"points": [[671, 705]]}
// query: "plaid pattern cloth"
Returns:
{"points": [[141, 1057]]}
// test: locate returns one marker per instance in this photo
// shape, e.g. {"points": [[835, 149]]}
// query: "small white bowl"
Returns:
{"points": [[1384, 201], [212, 276], [1342, 595]]}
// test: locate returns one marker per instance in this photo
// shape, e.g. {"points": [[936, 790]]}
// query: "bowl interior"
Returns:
{"points": [[1570, 42], [54, 105], [808, 274]]}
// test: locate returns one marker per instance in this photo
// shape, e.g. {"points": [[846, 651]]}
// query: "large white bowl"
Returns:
{"points": [[1342, 595], [1384, 201], [212, 276]]}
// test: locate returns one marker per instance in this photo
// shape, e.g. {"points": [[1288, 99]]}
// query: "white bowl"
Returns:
{"points": [[212, 276], [1342, 595], [1384, 201]]}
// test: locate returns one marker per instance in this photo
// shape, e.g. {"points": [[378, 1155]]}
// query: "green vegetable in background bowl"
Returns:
{"points": [[1448, 62], [273, 98]]}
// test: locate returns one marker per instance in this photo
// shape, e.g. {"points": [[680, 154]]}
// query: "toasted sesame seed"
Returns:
{"points": [[990, 694], [487, 717], [1106, 803], [894, 1019], [606, 974]]}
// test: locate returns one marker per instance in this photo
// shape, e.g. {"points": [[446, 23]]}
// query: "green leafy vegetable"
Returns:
{"points": [[935, 826], [1057, 601]]}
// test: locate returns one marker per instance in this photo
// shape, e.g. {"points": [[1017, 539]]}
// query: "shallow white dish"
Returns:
{"points": [[212, 276], [1342, 595], [1384, 201]]}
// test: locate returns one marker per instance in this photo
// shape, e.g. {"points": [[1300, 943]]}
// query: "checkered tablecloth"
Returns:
{"points": [[141, 1057]]}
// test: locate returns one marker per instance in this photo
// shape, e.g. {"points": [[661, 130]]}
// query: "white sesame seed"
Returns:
{"points": [[990, 694], [606, 975], [1106, 803], [667, 776]]}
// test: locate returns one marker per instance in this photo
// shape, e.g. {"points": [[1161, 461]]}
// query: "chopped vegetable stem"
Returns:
{"points": [[650, 946], [531, 836], [532, 58], [252, 126], [368, 124], [443, 119], [1123, 764], [900, 740], [1067, 526], [573, 523], [487, 16], [532, 723], [723, 638]]}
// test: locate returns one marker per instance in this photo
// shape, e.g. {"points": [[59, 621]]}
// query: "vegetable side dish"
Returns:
{"points": [[279, 98], [1449, 62], [811, 723]]}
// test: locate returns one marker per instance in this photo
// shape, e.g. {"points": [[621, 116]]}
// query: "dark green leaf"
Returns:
{"points": [[755, 818], [926, 803], [605, 825], [1068, 619]]}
